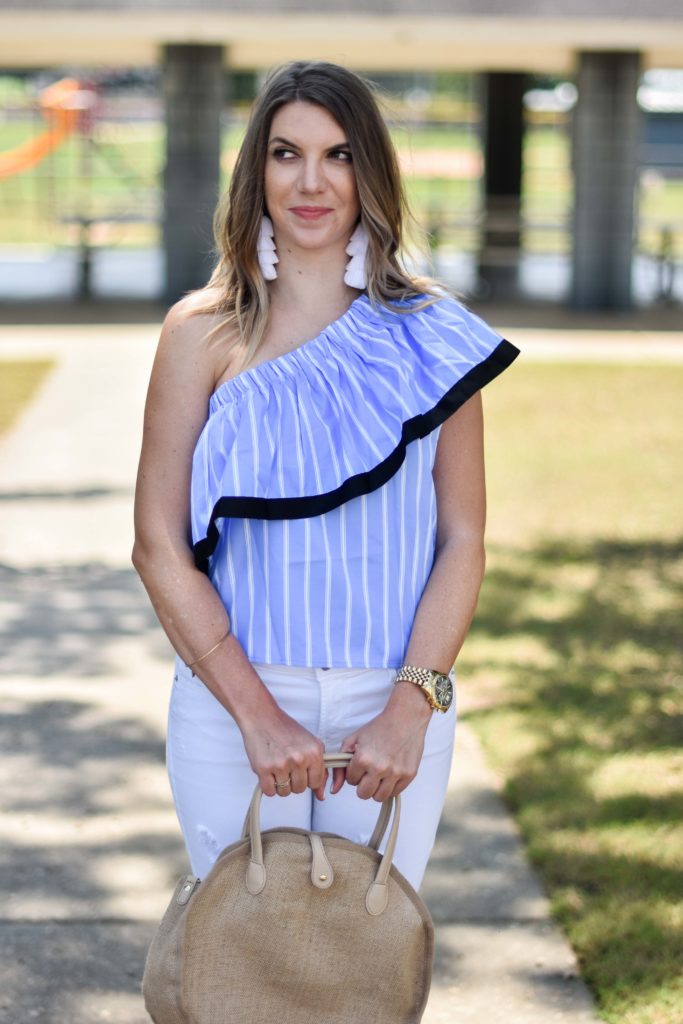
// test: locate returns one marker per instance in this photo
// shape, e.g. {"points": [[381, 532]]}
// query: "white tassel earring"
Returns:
{"points": [[265, 249], [357, 248]]}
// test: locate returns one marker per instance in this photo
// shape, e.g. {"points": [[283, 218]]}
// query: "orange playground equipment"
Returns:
{"points": [[63, 104]]}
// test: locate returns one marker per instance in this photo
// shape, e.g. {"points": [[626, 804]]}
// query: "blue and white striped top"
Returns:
{"points": [[313, 504]]}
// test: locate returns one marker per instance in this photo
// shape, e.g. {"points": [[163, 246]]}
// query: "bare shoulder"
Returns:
{"points": [[177, 406], [188, 351]]}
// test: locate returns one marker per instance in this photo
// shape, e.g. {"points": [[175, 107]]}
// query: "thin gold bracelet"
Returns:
{"points": [[215, 647]]}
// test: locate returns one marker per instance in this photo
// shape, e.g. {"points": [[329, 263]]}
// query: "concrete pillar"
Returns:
{"points": [[606, 141], [503, 137], [193, 97]]}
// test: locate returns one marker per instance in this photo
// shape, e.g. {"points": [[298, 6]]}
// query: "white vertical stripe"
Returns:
{"points": [[280, 452], [341, 409], [366, 587], [418, 488], [307, 590], [269, 434], [236, 481], [430, 512], [403, 543], [328, 592], [234, 624], [248, 545], [250, 581], [227, 530], [266, 555], [285, 596], [299, 447], [328, 566], [266, 587], [345, 566], [254, 439], [331, 450], [306, 623], [385, 590], [311, 440]]}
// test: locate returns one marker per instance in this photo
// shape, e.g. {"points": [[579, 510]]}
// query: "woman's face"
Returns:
{"points": [[310, 185]]}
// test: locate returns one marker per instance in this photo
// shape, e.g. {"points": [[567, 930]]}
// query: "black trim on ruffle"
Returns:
{"points": [[240, 507]]}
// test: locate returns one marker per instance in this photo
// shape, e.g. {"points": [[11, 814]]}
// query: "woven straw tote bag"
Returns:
{"points": [[294, 927]]}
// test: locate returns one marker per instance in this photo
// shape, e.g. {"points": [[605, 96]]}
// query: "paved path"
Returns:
{"points": [[91, 844]]}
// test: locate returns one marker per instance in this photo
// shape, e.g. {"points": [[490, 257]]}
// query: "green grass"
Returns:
{"points": [[19, 380], [574, 665]]}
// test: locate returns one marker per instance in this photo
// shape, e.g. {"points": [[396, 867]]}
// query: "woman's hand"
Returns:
{"points": [[279, 749], [388, 749]]}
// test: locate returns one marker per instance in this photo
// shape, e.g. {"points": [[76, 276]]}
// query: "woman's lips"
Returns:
{"points": [[310, 212]]}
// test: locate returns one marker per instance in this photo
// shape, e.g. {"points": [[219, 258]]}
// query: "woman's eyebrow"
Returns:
{"points": [[286, 142], [293, 145]]}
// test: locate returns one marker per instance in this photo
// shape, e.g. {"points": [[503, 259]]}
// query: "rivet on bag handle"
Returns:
{"points": [[377, 895]]}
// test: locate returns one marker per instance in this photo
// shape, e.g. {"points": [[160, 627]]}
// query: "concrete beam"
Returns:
{"points": [[606, 141], [387, 42]]}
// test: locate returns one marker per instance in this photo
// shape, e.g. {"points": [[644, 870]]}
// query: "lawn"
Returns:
{"points": [[19, 380], [573, 671]]}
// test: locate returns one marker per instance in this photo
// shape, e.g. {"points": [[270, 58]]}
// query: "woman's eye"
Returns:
{"points": [[283, 154], [341, 155]]}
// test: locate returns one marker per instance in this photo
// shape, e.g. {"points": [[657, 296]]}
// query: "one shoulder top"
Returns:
{"points": [[313, 504]]}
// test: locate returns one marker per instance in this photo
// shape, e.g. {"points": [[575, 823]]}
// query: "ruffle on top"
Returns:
{"points": [[300, 434]]}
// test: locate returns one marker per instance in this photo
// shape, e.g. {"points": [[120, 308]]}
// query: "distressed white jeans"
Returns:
{"points": [[212, 781]]}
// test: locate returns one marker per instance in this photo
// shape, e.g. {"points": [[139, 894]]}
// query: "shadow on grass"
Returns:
{"points": [[579, 646], [607, 616]]}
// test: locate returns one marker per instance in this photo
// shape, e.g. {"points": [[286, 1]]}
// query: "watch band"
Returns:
{"points": [[413, 674]]}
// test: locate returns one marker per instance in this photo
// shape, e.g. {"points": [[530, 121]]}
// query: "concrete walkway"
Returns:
{"points": [[91, 844]]}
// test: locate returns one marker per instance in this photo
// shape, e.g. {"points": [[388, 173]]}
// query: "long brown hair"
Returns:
{"points": [[243, 295]]}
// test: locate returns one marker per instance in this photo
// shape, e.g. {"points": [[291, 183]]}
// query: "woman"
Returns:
{"points": [[310, 503]]}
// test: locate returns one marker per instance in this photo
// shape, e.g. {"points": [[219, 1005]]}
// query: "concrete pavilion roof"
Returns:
{"points": [[373, 34]]}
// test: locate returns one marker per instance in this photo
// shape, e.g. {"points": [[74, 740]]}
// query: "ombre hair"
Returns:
{"points": [[242, 301]]}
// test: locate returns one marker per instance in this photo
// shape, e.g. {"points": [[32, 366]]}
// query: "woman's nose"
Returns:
{"points": [[312, 176]]}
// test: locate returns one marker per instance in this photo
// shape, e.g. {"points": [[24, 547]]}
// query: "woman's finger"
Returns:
{"points": [[319, 789], [298, 778], [316, 774], [358, 767], [386, 789], [283, 786], [367, 785], [267, 784], [338, 779]]}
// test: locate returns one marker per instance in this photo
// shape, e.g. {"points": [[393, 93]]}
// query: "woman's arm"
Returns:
{"points": [[187, 605], [389, 748]]}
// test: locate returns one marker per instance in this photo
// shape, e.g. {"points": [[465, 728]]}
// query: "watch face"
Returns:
{"points": [[443, 691]]}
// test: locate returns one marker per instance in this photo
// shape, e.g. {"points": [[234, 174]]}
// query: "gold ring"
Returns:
{"points": [[281, 785]]}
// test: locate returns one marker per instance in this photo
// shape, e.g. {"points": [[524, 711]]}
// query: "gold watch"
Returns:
{"points": [[437, 688]]}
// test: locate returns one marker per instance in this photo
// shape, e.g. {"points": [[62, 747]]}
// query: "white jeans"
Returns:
{"points": [[212, 781]]}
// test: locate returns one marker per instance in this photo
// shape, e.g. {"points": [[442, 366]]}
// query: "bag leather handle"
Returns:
{"points": [[377, 895], [340, 759]]}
